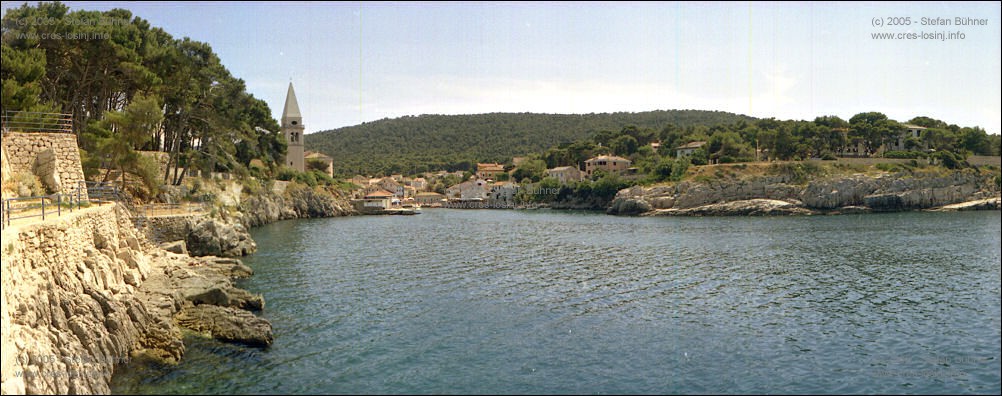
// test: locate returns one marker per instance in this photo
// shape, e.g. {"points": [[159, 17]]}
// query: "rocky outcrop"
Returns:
{"points": [[218, 237], [227, 324], [981, 204], [225, 234], [750, 207], [85, 292], [296, 202], [845, 194]]}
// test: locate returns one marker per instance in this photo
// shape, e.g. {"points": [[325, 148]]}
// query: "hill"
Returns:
{"points": [[457, 142]]}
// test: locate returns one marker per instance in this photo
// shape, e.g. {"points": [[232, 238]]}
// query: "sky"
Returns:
{"points": [[359, 62]]}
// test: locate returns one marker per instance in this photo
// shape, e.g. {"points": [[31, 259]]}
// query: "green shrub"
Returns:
{"points": [[286, 173], [887, 167], [904, 154], [800, 172], [252, 186], [950, 160], [148, 171], [27, 184], [699, 157], [307, 178]]}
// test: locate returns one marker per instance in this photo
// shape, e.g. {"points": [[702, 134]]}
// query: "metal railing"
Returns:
{"points": [[26, 121], [165, 209], [84, 194], [112, 192], [27, 208]]}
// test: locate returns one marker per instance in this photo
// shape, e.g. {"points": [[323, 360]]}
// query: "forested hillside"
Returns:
{"points": [[457, 142]]}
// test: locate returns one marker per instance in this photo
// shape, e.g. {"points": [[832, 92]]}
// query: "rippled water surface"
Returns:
{"points": [[482, 301]]}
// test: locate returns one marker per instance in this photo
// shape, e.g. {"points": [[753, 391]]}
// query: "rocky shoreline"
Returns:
{"points": [[786, 195], [87, 292]]}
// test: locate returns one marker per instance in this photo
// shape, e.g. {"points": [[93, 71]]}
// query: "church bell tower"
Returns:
{"points": [[292, 129]]}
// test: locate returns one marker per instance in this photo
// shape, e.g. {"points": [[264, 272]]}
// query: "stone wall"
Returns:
{"points": [[54, 155], [6, 173], [161, 229]]}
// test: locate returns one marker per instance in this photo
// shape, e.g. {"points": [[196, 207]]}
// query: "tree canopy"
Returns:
{"points": [[96, 65]]}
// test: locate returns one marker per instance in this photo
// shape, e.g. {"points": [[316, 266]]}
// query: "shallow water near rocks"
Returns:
{"points": [[481, 301]]}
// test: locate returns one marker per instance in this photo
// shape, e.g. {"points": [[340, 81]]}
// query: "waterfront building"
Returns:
{"points": [[608, 163]]}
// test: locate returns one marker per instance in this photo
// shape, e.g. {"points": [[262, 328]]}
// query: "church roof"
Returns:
{"points": [[291, 105]]}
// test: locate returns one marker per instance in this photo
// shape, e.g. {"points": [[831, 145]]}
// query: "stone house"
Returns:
{"points": [[608, 163], [688, 149], [489, 171], [428, 198], [468, 190], [320, 160], [910, 132], [565, 174]]}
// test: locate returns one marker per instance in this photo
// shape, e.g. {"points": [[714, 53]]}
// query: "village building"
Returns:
{"points": [[468, 191], [909, 139], [388, 184], [419, 183], [360, 181], [565, 174], [321, 162], [502, 195], [428, 198], [379, 199], [608, 163], [489, 171], [688, 149]]}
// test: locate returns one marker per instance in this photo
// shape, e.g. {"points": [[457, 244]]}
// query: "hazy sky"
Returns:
{"points": [[353, 63]]}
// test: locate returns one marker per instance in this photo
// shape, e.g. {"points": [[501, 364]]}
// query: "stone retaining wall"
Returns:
{"points": [[169, 228], [53, 157]]}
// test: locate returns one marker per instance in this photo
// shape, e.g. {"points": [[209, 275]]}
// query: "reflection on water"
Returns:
{"points": [[456, 301]]}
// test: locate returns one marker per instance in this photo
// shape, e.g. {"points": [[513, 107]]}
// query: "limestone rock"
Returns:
{"points": [[628, 206], [178, 247], [47, 170], [751, 207], [845, 194], [981, 204], [215, 237], [86, 296], [227, 324]]}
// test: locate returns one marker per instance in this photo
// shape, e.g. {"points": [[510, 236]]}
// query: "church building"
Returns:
{"points": [[292, 129]]}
